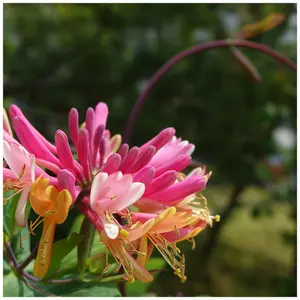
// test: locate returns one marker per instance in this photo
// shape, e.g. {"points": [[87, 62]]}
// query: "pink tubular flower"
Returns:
{"points": [[136, 198], [112, 194], [21, 177], [92, 142]]}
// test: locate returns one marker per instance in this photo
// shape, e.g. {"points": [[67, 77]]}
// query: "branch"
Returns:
{"points": [[27, 261], [193, 50], [11, 255]]}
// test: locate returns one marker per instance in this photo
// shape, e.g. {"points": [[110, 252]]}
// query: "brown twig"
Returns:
{"points": [[195, 50]]}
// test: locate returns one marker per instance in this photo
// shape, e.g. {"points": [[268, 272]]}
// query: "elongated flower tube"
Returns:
{"points": [[31, 140], [52, 206], [93, 143], [15, 111]]}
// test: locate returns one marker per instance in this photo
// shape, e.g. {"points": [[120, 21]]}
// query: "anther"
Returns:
{"points": [[106, 268], [217, 218], [124, 233], [131, 279], [177, 231], [177, 272], [22, 172]]}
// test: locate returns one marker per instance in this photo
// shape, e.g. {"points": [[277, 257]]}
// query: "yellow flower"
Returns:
{"points": [[52, 206]]}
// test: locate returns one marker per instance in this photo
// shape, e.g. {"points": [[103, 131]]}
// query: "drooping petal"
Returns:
{"points": [[18, 159], [97, 185], [135, 192], [63, 203], [20, 213], [8, 174], [39, 201]]}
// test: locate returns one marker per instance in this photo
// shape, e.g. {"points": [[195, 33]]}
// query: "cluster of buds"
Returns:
{"points": [[136, 198]]}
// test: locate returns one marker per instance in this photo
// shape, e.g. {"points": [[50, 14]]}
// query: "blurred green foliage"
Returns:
{"points": [[59, 56]]}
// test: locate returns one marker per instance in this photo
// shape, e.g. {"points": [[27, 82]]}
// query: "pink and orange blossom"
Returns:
{"points": [[137, 198]]}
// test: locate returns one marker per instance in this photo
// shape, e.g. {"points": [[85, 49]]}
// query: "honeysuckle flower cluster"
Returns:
{"points": [[137, 198]]}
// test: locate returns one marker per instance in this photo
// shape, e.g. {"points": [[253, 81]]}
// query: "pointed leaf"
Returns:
{"points": [[60, 250]]}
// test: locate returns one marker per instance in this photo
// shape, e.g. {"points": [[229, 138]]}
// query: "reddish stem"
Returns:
{"points": [[193, 50]]}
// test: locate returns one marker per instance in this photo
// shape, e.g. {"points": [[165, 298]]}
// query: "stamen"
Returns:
{"points": [[217, 218], [134, 249], [44, 249], [192, 240], [177, 231], [127, 217], [170, 253], [117, 269], [107, 264], [36, 223], [130, 279], [20, 241], [109, 217], [22, 172], [124, 233], [180, 176], [11, 196]]}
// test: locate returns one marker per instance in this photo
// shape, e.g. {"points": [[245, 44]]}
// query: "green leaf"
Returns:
{"points": [[14, 287], [82, 289], [96, 264], [69, 263], [76, 225], [60, 250], [87, 230], [139, 288], [9, 220], [97, 246]]}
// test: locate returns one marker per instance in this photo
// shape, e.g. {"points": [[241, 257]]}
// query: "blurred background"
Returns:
{"points": [[59, 56]]}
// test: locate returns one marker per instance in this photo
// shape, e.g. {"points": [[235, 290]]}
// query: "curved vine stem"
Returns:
{"points": [[195, 50]]}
